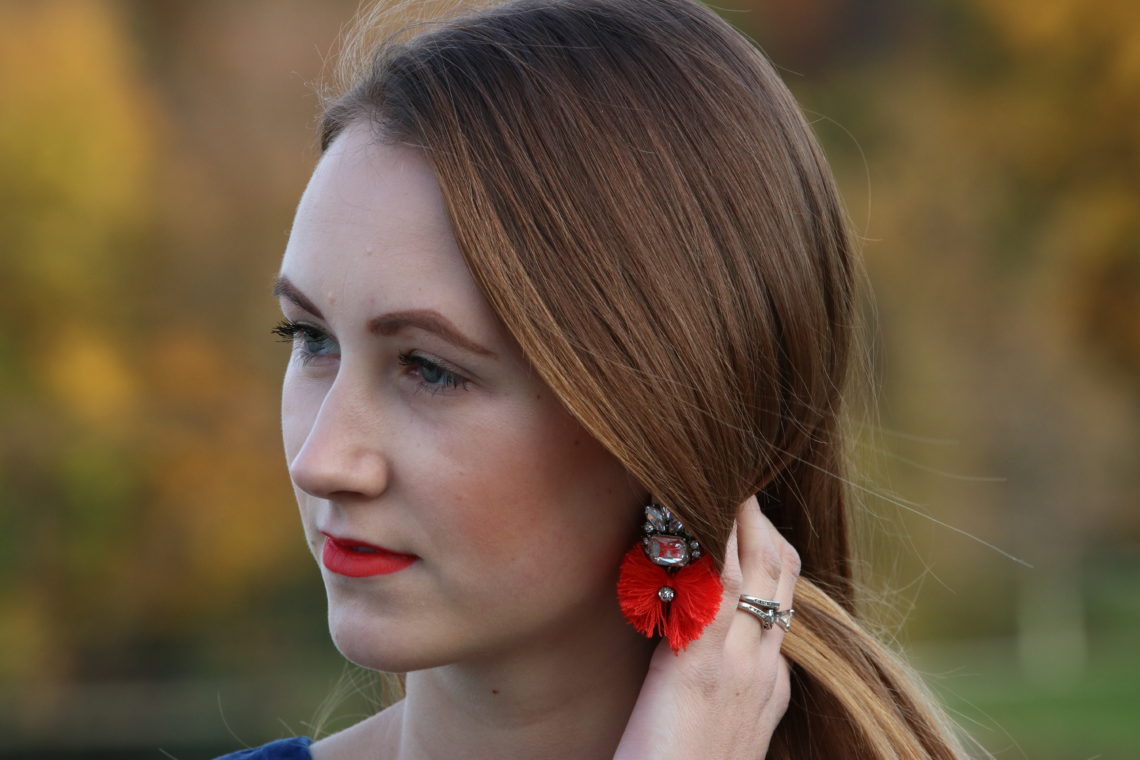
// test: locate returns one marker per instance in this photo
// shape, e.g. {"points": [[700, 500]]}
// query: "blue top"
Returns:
{"points": [[282, 749]]}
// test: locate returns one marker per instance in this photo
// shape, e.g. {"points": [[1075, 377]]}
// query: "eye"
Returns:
{"points": [[308, 341], [432, 375]]}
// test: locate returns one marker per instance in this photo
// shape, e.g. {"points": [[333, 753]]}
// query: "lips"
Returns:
{"points": [[357, 559]]}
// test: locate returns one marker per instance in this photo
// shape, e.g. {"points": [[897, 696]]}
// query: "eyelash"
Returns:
{"points": [[288, 331], [450, 380]]}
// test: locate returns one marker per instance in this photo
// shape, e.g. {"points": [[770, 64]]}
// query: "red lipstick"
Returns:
{"points": [[357, 559]]}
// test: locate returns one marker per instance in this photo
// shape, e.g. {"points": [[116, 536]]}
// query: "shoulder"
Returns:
{"points": [[283, 749], [375, 736]]}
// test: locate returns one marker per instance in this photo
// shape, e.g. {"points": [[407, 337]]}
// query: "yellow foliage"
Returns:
{"points": [[1063, 23], [1058, 30], [75, 139], [86, 373]]}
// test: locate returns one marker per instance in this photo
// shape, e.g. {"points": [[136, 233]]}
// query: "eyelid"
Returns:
{"points": [[300, 334], [461, 381], [288, 329], [433, 348]]}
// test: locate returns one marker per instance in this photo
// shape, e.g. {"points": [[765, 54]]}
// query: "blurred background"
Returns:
{"points": [[156, 598]]}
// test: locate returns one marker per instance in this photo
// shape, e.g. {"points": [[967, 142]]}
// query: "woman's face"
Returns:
{"points": [[413, 423]]}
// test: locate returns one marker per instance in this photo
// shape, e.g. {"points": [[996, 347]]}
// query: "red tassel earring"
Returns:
{"points": [[667, 587]]}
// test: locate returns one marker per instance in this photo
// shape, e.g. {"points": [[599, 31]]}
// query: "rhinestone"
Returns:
{"points": [[657, 518], [666, 594], [668, 551]]}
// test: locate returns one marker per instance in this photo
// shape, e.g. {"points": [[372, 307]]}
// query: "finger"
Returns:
{"points": [[789, 562], [759, 561], [760, 569], [770, 565], [731, 580], [731, 574], [777, 702]]}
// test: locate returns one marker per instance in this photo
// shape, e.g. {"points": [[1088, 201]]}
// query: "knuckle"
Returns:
{"points": [[789, 559], [773, 564], [779, 698], [782, 692], [732, 579]]}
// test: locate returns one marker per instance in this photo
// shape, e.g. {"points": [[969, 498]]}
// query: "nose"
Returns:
{"points": [[342, 456]]}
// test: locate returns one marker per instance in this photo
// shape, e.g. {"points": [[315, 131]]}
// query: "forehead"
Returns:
{"points": [[372, 230]]}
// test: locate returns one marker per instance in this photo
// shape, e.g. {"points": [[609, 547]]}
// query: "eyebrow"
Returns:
{"points": [[391, 323], [285, 289], [425, 319]]}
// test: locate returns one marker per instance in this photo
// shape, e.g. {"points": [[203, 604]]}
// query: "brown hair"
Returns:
{"points": [[644, 206]]}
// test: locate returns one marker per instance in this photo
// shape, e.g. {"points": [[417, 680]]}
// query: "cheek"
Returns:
{"points": [[298, 412], [540, 491], [299, 404]]}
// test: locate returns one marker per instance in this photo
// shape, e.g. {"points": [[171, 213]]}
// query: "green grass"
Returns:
{"points": [[1093, 714]]}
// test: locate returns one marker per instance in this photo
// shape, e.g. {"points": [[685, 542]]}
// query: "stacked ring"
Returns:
{"points": [[766, 611]]}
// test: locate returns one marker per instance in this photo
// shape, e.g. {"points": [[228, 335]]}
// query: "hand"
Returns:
{"points": [[722, 697]]}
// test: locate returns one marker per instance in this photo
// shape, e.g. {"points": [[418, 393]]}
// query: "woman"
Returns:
{"points": [[561, 261]]}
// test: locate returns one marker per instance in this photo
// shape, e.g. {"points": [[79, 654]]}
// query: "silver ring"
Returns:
{"points": [[768, 617], [764, 604]]}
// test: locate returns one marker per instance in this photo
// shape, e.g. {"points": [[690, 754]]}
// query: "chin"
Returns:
{"points": [[375, 644]]}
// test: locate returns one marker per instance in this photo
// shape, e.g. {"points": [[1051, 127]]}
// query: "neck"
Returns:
{"points": [[565, 699]]}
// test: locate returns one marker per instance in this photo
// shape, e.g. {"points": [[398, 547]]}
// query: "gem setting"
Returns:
{"points": [[668, 551], [666, 541]]}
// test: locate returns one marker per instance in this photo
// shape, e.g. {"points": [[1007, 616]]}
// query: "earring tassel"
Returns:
{"points": [[694, 602], [698, 593], [637, 588]]}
